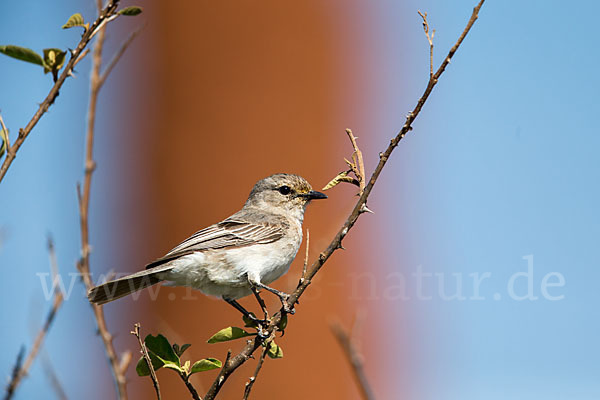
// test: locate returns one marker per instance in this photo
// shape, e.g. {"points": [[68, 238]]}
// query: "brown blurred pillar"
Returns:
{"points": [[235, 91]]}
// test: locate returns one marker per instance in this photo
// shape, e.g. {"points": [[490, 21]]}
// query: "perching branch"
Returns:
{"points": [[354, 359], [21, 370], [104, 15], [360, 207], [144, 351]]}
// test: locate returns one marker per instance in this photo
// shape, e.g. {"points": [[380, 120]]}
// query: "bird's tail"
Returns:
{"points": [[118, 288]]}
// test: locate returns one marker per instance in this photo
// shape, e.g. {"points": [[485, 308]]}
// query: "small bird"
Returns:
{"points": [[237, 256]]}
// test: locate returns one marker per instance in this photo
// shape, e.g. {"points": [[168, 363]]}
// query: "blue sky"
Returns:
{"points": [[502, 164], [506, 154], [39, 197]]}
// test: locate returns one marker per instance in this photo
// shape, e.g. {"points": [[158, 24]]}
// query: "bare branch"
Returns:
{"points": [[83, 265], [305, 257], [59, 391], [11, 152], [429, 39], [16, 373], [144, 351], [118, 56], [21, 371], [190, 387], [79, 59], [354, 359], [252, 379], [236, 361], [357, 165]]}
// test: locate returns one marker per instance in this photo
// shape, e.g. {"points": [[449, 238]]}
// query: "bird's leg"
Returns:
{"points": [[247, 314], [261, 302], [282, 296], [260, 323]]}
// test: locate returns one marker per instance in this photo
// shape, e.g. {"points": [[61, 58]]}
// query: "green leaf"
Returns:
{"points": [[283, 322], [4, 138], [75, 20], [161, 348], [179, 350], [131, 11], [142, 366], [339, 178], [249, 322], [230, 333], [206, 364], [274, 350], [22, 53], [53, 59]]}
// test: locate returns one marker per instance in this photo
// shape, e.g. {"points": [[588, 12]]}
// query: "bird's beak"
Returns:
{"points": [[313, 195]]}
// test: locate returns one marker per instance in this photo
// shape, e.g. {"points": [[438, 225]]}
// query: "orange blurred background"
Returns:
{"points": [[223, 94]]}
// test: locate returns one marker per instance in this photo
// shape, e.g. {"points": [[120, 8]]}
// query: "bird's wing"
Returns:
{"points": [[228, 233]]}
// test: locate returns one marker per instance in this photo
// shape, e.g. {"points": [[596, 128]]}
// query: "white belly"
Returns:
{"points": [[224, 272]]}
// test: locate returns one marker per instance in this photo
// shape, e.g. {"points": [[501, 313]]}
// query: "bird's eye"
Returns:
{"points": [[285, 190]]}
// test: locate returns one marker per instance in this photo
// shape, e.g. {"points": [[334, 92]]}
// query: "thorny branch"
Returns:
{"points": [[105, 14], [144, 351], [429, 39], [20, 371], [354, 359], [232, 363]]}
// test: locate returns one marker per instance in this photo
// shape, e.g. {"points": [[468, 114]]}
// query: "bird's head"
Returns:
{"points": [[283, 192]]}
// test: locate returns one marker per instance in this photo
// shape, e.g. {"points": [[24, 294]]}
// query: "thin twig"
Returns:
{"points": [[59, 391], [190, 387], [357, 165], [16, 372], [237, 360], [118, 55], [79, 59], [252, 379], [118, 367], [354, 359], [22, 371], [11, 152], [144, 351], [305, 257], [429, 39]]}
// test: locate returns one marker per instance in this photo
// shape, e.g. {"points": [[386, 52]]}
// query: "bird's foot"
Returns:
{"points": [[253, 321], [260, 325], [262, 332]]}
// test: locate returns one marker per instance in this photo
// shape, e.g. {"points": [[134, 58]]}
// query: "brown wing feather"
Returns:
{"points": [[227, 234]]}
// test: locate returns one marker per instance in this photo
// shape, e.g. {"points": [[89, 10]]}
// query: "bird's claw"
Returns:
{"points": [[262, 333]]}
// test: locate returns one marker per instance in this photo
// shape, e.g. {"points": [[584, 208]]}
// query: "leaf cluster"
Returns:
{"points": [[163, 354]]}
